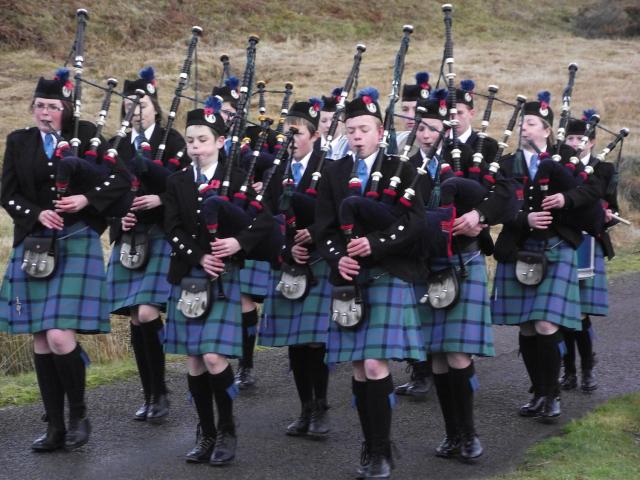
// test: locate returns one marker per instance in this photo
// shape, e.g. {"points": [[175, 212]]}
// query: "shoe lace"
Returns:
{"points": [[365, 454]]}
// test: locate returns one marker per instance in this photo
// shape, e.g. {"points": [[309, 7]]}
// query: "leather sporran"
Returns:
{"points": [[195, 297], [134, 250], [347, 307], [443, 288], [296, 281], [40, 256], [531, 267]]}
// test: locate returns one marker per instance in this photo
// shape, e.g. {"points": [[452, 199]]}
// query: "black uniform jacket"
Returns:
{"points": [[28, 182], [392, 248], [489, 147], [493, 207], [188, 234], [515, 232], [605, 171], [155, 185]]}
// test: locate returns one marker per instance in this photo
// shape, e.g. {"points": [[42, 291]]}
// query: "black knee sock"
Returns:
{"points": [[224, 391], [359, 390], [319, 372], [463, 384], [154, 350], [569, 358], [529, 352], [379, 394], [72, 372], [203, 401], [549, 362], [51, 389], [298, 361], [249, 323], [137, 343], [585, 345], [445, 398]]}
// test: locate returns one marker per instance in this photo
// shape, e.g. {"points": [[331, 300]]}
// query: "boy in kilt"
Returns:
{"points": [[302, 324], [72, 298], [142, 292], [216, 335], [339, 145], [382, 265], [453, 334], [594, 294], [254, 276], [541, 310]]}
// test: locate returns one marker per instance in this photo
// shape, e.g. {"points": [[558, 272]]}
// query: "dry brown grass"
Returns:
{"points": [[519, 56]]}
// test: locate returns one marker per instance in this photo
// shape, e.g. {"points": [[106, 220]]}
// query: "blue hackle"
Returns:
{"points": [[440, 94], [147, 74], [62, 74], [336, 91], [544, 96], [587, 114], [369, 92], [317, 101], [214, 102], [467, 85], [232, 83], [422, 77]]}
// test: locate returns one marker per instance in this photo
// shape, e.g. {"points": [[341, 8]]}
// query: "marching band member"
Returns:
{"points": [[60, 291], [142, 292]]}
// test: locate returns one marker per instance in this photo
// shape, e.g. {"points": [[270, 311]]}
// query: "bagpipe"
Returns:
{"points": [[565, 112]]}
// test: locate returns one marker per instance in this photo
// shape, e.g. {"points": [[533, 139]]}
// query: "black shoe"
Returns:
{"points": [[365, 461], [589, 382], [78, 433], [379, 467], [550, 408], [300, 427], [50, 441], [532, 407], [141, 413], [158, 408], [244, 378], [319, 420], [470, 447], [449, 447], [569, 381], [201, 453], [224, 450], [420, 387]]}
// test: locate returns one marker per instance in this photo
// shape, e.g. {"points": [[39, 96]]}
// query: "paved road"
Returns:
{"points": [[121, 448]]}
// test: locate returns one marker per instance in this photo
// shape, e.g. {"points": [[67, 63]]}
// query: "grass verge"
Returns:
{"points": [[603, 444]]}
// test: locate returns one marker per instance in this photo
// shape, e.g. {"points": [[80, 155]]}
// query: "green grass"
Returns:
{"points": [[605, 444], [625, 261]]}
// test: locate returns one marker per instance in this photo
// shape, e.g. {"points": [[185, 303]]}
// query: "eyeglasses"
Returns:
{"points": [[43, 106]]}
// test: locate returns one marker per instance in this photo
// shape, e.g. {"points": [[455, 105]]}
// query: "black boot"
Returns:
{"points": [[463, 384], [450, 445], [159, 406], [569, 381], [319, 420], [245, 378], [360, 400], [300, 426], [529, 353], [224, 391], [420, 381], [299, 364], [585, 347], [549, 347], [137, 344], [52, 393], [202, 396], [72, 372], [379, 405]]}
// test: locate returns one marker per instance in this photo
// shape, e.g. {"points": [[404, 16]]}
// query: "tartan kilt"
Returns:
{"points": [[556, 299], [220, 332], [391, 327], [594, 293], [74, 297], [465, 327], [147, 286], [294, 322], [254, 278]]}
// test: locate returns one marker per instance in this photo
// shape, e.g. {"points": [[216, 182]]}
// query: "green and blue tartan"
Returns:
{"points": [[146, 286], [594, 293], [294, 322], [73, 298], [466, 327], [254, 278], [391, 328], [556, 299], [220, 332]]}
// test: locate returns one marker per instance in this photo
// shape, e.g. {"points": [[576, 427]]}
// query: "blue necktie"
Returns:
{"points": [[296, 168], [363, 174], [49, 145], [432, 167], [533, 166], [139, 139]]}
